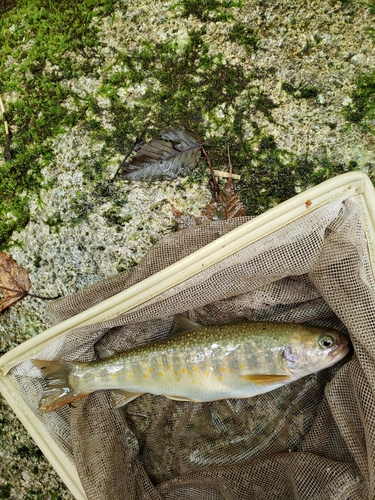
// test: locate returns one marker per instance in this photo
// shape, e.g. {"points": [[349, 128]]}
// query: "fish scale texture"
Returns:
{"points": [[312, 439]]}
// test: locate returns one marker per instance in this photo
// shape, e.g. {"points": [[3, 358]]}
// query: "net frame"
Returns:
{"points": [[354, 184]]}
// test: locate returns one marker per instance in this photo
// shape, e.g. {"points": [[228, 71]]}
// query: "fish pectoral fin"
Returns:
{"points": [[122, 398], [107, 353], [268, 378], [180, 398]]}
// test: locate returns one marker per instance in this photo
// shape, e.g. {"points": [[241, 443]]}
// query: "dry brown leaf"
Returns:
{"points": [[224, 205], [14, 281], [176, 154], [183, 221]]}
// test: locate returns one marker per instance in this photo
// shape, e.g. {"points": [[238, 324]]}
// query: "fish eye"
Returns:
{"points": [[326, 341]]}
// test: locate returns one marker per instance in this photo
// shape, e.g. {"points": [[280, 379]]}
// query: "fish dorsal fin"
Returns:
{"points": [[122, 398], [180, 398], [181, 324], [264, 379]]}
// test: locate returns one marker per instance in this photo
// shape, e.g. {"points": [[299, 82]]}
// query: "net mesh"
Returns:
{"points": [[314, 438]]}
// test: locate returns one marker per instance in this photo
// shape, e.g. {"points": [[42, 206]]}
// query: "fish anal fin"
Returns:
{"points": [[264, 379], [180, 398], [122, 398]]}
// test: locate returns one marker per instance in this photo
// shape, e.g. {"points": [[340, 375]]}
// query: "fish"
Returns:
{"points": [[205, 363]]}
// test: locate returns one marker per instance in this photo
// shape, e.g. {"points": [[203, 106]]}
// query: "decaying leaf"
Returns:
{"points": [[225, 204], [183, 221], [14, 281], [176, 154]]}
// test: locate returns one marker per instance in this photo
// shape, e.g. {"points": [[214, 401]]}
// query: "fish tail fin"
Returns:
{"points": [[57, 391]]}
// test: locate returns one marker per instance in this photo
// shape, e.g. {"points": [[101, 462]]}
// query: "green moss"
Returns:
{"points": [[26, 452], [210, 10], [114, 219], [80, 207], [264, 104], [200, 175], [331, 125], [82, 204], [362, 108], [125, 265], [54, 221], [36, 55], [319, 170], [193, 86], [371, 6], [185, 84], [270, 175], [5, 491], [300, 91], [265, 171], [246, 36], [37, 260], [108, 191]]}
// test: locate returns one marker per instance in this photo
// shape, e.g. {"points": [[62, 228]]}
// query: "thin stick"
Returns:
{"points": [[136, 142], [214, 181], [230, 178], [7, 154]]}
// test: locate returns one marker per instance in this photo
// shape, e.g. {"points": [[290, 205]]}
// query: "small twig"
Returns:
{"points": [[221, 173], [230, 178], [213, 180], [7, 154], [137, 141]]}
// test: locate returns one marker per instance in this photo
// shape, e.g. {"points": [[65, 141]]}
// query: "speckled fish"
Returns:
{"points": [[202, 364]]}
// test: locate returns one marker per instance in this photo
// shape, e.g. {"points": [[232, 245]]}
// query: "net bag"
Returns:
{"points": [[311, 439]]}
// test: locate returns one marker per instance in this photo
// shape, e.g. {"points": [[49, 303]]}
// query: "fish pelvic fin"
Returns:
{"points": [[264, 379], [180, 398], [122, 398], [57, 391]]}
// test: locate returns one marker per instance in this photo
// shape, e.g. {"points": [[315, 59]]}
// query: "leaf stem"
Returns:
{"points": [[43, 298], [25, 293]]}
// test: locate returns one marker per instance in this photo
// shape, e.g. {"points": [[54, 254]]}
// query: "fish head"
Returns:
{"points": [[314, 349]]}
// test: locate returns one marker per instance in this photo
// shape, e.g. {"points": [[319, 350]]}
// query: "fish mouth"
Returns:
{"points": [[340, 351], [343, 349]]}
